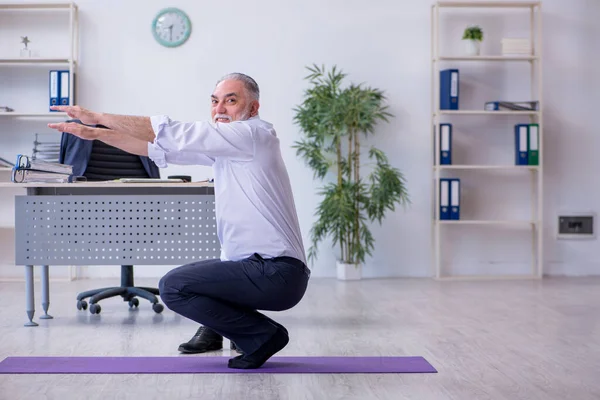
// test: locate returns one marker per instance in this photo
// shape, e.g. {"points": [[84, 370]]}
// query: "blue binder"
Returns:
{"points": [[449, 83], [64, 88], [445, 141], [444, 198], [521, 144], [54, 88], [454, 198]]}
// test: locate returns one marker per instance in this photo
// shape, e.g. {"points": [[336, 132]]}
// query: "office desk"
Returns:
{"points": [[110, 223]]}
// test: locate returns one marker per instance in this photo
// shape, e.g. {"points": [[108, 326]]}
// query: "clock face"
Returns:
{"points": [[171, 27]]}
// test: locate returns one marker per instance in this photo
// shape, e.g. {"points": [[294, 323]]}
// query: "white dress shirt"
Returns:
{"points": [[255, 207]]}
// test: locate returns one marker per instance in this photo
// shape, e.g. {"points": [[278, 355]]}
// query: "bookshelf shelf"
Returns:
{"points": [[36, 61], [487, 58], [488, 167], [33, 115], [507, 222], [38, 6], [488, 4], [438, 116], [484, 112]]}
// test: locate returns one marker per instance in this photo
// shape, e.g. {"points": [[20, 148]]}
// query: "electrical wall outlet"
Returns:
{"points": [[576, 226]]}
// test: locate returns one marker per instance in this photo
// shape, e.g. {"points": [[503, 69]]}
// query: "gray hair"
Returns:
{"points": [[249, 83]]}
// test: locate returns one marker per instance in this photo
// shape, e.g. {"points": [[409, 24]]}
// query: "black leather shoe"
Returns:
{"points": [[205, 339]]}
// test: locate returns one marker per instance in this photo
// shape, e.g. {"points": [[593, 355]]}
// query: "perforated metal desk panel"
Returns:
{"points": [[115, 229], [112, 224]]}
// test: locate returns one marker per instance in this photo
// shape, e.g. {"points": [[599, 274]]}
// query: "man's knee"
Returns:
{"points": [[167, 288]]}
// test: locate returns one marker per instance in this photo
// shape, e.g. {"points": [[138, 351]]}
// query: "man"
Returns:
{"points": [[262, 265]]}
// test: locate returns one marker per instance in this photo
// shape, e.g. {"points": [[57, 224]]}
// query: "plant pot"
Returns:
{"points": [[348, 272], [472, 47]]}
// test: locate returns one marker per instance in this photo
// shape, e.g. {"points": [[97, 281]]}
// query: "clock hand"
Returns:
{"points": [[171, 32]]}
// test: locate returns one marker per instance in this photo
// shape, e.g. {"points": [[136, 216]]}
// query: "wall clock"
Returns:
{"points": [[171, 27]]}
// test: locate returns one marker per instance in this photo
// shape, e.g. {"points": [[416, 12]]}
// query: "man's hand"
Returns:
{"points": [[76, 112], [82, 131]]}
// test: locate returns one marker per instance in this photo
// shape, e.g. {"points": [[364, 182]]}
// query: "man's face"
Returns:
{"points": [[231, 102]]}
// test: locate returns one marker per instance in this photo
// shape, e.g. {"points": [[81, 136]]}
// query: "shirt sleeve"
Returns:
{"points": [[199, 142]]}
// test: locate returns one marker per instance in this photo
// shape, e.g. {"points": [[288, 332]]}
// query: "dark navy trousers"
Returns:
{"points": [[225, 295]]}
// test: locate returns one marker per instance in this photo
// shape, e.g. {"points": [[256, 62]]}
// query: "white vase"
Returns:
{"points": [[348, 272], [472, 47]]}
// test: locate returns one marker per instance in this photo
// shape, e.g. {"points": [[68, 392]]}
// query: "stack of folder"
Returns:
{"points": [[28, 170], [46, 151], [449, 198], [527, 144], [59, 85]]}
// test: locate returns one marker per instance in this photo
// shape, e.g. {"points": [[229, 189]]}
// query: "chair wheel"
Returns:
{"points": [[134, 302], [95, 308], [158, 308], [81, 305]]}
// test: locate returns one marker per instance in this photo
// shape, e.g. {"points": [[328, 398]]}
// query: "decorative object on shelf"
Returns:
{"points": [[334, 121], [171, 27], [25, 52], [512, 47], [473, 36], [6, 109]]}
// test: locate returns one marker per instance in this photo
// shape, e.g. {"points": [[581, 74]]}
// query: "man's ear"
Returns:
{"points": [[254, 108]]}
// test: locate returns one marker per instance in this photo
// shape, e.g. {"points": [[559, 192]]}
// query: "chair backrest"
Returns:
{"points": [[108, 163]]}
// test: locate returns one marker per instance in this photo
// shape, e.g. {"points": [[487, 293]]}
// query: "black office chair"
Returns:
{"points": [[108, 163]]}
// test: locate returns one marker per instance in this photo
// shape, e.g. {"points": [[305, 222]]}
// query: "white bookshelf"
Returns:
{"points": [[440, 61], [71, 29], [53, 29]]}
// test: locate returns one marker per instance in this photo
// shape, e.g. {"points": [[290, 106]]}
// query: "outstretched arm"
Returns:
{"points": [[126, 143], [138, 127]]}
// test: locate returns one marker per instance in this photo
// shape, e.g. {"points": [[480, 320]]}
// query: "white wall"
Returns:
{"points": [[385, 44]]}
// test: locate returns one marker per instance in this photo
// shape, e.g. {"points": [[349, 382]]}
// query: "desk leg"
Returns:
{"points": [[30, 308], [46, 292]]}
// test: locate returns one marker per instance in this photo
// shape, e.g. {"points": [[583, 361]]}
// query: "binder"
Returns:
{"points": [[22, 175], [534, 143], [54, 88], [26, 163], [445, 141], [454, 198], [521, 144], [449, 82], [444, 199], [512, 105], [64, 88]]}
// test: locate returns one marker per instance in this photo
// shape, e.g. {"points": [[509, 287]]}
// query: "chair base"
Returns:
{"points": [[127, 291]]}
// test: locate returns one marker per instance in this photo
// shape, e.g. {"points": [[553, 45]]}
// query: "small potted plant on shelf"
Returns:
{"points": [[337, 121], [473, 36]]}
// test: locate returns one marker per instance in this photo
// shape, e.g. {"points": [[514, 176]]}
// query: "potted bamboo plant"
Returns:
{"points": [[336, 123]]}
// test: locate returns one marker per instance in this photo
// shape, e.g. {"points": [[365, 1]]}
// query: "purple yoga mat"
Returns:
{"points": [[203, 365]]}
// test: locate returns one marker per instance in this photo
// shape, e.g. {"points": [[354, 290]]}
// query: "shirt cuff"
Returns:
{"points": [[155, 152]]}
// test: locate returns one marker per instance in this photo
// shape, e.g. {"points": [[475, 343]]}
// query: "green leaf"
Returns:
{"points": [[332, 117]]}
